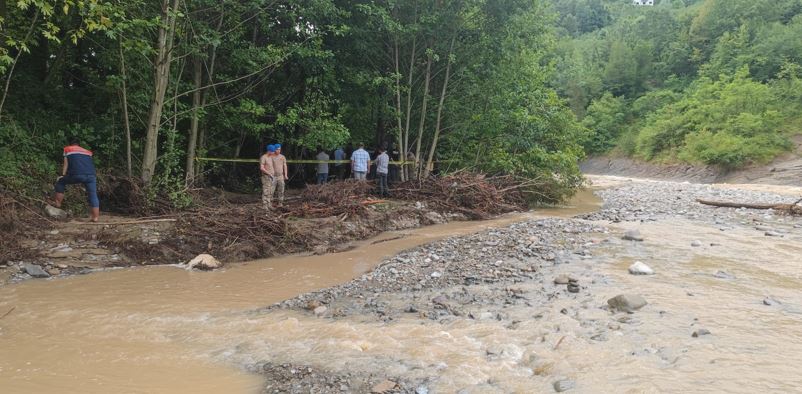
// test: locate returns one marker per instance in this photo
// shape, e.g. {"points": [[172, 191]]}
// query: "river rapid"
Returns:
{"points": [[168, 330]]}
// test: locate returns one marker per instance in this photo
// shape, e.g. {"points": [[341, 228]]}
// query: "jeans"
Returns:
{"points": [[360, 175], [322, 178], [381, 179], [89, 182]]}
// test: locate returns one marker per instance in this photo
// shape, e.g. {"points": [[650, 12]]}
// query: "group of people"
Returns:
{"points": [[78, 168], [360, 166], [273, 167]]}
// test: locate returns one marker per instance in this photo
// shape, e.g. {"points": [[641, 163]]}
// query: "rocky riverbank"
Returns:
{"points": [[532, 307]]}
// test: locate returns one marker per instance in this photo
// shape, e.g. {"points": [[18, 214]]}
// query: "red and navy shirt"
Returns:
{"points": [[79, 160]]}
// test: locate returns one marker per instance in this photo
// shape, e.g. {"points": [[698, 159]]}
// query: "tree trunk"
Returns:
{"points": [[161, 80], [409, 103], [401, 146], [429, 162], [126, 122], [422, 122], [197, 76], [197, 170]]}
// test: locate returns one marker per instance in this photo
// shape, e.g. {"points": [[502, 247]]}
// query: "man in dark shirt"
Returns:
{"points": [[78, 168]]}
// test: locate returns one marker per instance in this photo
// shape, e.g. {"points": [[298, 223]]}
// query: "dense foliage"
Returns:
{"points": [[150, 85], [703, 81]]}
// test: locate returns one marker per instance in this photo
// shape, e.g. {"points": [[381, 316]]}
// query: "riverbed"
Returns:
{"points": [[468, 306]]}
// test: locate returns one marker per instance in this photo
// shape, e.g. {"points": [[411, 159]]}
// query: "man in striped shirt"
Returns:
{"points": [[78, 167], [360, 163]]}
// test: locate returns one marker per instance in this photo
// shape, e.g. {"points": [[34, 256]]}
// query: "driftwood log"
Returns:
{"points": [[794, 208]]}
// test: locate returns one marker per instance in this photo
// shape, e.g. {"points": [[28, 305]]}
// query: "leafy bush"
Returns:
{"points": [[607, 117], [730, 122]]}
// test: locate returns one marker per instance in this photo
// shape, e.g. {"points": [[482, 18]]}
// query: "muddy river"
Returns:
{"points": [[163, 329], [167, 330]]}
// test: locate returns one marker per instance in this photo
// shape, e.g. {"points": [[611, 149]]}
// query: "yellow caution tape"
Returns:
{"points": [[292, 161]]}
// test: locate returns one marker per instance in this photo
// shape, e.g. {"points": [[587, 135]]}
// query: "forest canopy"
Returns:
{"points": [[701, 81], [149, 86]]}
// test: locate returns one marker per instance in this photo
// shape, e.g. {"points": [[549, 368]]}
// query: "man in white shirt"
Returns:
{"points": [[360, 163], [382, 169]]}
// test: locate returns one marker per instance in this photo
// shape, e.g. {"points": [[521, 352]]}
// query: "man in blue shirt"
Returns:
{"points": [[78, 167], [339, 154], [360, 163]]}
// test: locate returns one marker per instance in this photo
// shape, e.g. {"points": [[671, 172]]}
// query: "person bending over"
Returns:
{"points": [[78, 168]]}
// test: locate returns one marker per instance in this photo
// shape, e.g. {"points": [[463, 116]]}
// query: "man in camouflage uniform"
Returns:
{"points": [[268, 177]]}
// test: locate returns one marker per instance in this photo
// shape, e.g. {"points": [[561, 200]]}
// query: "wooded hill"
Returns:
{"points": [[151, 85], [702, 81]]}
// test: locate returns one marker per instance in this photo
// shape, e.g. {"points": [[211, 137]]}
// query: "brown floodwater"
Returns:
{"points": [[167, 330]]}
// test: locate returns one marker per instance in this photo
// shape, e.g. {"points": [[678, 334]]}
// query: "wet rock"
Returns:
{"points": [[627, 302], [632, 235], [320, 310], [700, 332], [34, 270], [573, 288], [561, 279], [724, 275], [564, 385], [383, 387], [770, 301], [204, 262], [440, 300], [696, 243], [55, 213], [639, 268]]}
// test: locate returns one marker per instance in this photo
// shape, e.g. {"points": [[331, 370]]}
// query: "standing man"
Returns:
{"points": [[268, 177], [339, 155], [360, 163], [280, 173], [382, 170], [78, 167], [323, 166]]}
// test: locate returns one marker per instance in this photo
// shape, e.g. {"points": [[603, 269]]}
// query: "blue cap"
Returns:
{"points": [[277, 146], [271, 148]]}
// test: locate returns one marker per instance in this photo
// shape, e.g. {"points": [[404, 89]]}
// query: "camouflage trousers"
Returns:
{"points": [[278, 189], [268, 187]]}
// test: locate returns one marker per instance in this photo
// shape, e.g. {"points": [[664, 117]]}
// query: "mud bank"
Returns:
{"points": [[785, 170]]}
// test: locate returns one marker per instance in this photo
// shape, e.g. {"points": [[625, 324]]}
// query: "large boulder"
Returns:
{"points": [[204, 262], [34, 270], [632, 235], [55, 213], [638, 268], [627, 302]]}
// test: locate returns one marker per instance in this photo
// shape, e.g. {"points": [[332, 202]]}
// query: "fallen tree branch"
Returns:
{"points": [[126, 222], [790, 208]]}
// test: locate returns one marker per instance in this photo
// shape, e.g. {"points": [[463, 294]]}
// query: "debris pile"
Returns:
{"points": [[474, 195]]}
